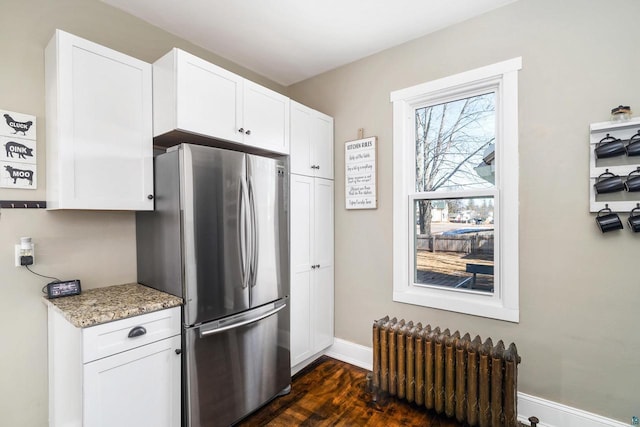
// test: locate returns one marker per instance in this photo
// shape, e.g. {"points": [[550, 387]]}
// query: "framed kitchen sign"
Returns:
{"points": [[360, 174], [17, 150]]}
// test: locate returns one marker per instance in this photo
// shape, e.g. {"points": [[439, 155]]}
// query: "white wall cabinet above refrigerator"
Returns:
{"points": [[195, 96], [99, 127], [311, 142]]}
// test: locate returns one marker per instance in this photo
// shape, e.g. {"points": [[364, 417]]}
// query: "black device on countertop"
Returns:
{"points": [[63, 289]]}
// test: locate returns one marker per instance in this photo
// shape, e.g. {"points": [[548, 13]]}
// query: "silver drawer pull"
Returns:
{"points": [[137, 331]]}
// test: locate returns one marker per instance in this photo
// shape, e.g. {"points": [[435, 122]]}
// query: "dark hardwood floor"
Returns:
{"points": [[333, 393]]}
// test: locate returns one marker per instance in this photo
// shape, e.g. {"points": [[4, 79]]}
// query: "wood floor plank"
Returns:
{"points": [[331, 393]]}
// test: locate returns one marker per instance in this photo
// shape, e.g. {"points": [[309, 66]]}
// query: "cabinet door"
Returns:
{"points": [[311, 142], [136, 388], [99, 127], [301, 158], [323, 281], [266, 118], [209, 98], [312, 248], [322, 145], [301, 220]]}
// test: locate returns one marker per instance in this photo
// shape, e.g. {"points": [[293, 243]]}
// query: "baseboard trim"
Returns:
{"points": [[553, 414], [355, 354], [550, 414]]}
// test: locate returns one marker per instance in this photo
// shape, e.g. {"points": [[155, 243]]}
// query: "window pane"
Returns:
{"points": [[455, 144], [454, 244]]}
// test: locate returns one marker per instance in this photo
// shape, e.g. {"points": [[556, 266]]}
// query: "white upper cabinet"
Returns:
{"points": [[311, 142], [195, 96], [266, 118], [99, 127]]}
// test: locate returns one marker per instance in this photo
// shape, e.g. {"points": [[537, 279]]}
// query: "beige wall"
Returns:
{"points": [[96, 247], [579, 290]]}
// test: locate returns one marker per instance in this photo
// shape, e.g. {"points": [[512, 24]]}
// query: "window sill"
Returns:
{"points": [[476, 303]]}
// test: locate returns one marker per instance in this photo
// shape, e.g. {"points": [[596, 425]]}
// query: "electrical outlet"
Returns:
{"points": [[17, 255], [635, 421]]}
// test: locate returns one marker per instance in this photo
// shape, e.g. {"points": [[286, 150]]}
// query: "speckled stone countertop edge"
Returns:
{"points": [[101, 305]]}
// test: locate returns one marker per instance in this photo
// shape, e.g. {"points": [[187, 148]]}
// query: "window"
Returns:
{"points": [[455, 161]]}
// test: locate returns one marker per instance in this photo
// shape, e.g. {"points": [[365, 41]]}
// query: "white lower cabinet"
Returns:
{"points": [[312, 268], [122, 373]]}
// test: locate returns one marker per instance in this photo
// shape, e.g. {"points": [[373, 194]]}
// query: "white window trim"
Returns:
{"points": [[503, 304]]}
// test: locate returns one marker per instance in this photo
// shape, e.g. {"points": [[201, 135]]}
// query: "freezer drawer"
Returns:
{"points": [[236, 364]]}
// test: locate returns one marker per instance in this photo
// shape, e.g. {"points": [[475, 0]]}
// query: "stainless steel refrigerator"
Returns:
{"points": [[218, 237]]}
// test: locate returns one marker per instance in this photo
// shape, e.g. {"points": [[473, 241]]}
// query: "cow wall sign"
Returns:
{"points": [[18, 156]]}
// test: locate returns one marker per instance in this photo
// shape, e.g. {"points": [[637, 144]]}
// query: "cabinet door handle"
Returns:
{"points": [[241, 130], [313, 267], [178, 351], [317, 265], [137, 331], [150, 197], [248, 132]]}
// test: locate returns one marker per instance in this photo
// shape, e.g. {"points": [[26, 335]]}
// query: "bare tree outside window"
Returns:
{"points": [[455, 144]]}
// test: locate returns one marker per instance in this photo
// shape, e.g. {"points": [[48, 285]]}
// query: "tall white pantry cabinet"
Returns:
{"points": [[312, 239]]}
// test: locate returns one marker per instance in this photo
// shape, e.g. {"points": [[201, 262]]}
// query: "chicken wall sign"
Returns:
{"points": [[18, 166]]}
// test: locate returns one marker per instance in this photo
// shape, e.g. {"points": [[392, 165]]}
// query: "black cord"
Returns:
{"points": [[42, 275]]}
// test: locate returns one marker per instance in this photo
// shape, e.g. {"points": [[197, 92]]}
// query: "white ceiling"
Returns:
{"points": [[288, 41]]}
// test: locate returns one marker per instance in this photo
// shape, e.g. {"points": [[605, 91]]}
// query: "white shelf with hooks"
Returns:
{"points": [[622, 165]]}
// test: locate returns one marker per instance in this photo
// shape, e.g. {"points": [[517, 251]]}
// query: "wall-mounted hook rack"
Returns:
{"points": [[22, 204], [621, 165]]}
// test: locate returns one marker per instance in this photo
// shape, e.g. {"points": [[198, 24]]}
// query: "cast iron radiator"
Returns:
{"points": [[472, 381]]}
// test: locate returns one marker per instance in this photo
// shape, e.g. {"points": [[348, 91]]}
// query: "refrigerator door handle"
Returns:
{"points": [[254, 237], [241, 323], [243, 230]]}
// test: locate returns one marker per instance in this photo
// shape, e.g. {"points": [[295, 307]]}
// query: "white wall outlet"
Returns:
{"points": [[17, 254]]}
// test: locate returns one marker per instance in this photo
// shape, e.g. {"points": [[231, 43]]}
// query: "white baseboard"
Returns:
{"points": [[550, 414], [354, 354]]}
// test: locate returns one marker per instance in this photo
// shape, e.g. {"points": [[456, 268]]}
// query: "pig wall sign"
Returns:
{"points": [[23, 150], [18, 151]]}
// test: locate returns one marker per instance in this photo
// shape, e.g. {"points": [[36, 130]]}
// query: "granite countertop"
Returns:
{"points": [[101, 305]]}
